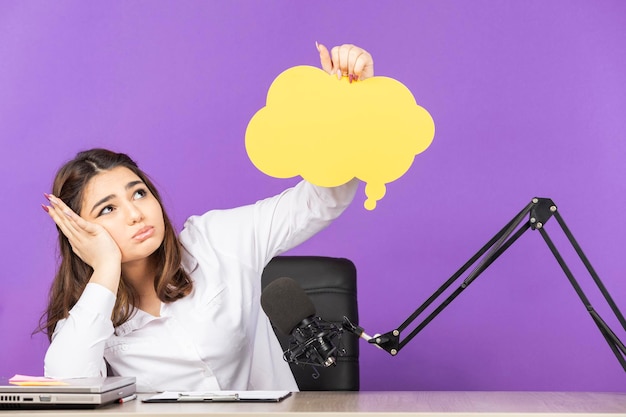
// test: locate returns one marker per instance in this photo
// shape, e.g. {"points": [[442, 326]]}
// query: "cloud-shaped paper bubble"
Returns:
{"points": [[329, 131]]}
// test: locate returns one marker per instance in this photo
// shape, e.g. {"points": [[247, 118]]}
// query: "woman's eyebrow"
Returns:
{"points": [[132, 184], [111, 196]]}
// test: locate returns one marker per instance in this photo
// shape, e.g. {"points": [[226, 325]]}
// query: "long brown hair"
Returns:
{"points": [[171, 281]]}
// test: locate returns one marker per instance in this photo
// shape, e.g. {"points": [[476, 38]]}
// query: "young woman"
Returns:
{"points": [[178, 313]]}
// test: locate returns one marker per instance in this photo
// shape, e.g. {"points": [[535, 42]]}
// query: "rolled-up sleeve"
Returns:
{"points": [[77, 348]]}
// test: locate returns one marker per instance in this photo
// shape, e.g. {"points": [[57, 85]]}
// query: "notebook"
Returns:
{"points": [[73, 393], [218, 396]]}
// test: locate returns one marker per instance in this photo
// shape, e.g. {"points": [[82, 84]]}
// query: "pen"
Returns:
{"points": [[127, 399]]}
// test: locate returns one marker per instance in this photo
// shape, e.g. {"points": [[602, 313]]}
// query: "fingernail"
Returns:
{"points": [[45, 208], [339, 74], [317, 45], [350, 78]]}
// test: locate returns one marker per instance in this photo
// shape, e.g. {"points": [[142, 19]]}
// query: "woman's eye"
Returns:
{"points": [[106, 210], [140, 194]]}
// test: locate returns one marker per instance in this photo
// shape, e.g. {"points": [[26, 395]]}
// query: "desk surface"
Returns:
{"points": [[418, 403]]}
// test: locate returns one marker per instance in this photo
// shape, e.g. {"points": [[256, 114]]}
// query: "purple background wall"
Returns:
{"points": [[528, 100]]}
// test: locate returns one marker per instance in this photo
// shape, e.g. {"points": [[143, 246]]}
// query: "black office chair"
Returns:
{"points": [[331, 285]]}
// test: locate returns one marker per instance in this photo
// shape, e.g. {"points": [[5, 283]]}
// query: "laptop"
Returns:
{"points": [[78, 393]]}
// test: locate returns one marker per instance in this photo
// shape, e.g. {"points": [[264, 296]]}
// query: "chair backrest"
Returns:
{"points": [[331, 285]]}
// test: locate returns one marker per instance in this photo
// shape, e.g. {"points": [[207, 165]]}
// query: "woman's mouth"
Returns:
{"points": [[144, 233]]}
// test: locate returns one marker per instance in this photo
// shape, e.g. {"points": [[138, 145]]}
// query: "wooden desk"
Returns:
{"points": [[353, 404]]}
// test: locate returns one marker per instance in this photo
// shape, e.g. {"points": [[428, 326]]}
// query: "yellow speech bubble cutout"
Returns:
{"points": [[329, 131]]}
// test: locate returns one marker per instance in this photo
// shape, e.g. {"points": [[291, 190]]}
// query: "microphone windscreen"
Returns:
{"points": [[286, 304]]}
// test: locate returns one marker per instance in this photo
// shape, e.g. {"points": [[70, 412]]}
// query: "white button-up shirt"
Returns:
{"points": [[217, 337]]}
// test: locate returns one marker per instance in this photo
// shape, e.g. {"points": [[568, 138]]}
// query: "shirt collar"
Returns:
{"points": [[189, 263]]}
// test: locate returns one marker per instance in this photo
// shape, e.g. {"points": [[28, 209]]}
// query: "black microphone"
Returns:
{"points": [[313, 341]]}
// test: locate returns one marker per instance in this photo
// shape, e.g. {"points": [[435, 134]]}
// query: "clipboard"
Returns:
{"points": [[217, 396]]}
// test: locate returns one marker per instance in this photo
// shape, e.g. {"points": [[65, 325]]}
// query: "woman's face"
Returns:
{"points": [[120, 201]]}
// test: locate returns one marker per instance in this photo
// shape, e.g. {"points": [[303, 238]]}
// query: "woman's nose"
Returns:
{"points": [[135, 215]]}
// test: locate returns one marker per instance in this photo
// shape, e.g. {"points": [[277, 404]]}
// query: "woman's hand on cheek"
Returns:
{"points": [[89, 241]]}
